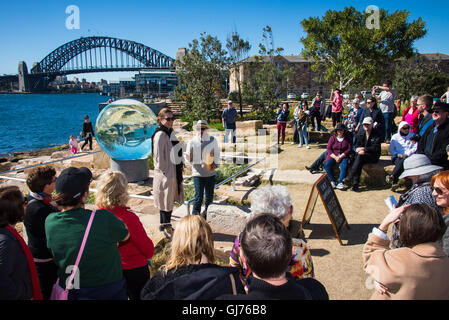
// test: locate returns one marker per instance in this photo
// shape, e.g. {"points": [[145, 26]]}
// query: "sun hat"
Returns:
{"points": [[367, 120], [418, 164], [201, 123], [73, 181], [340, 126]]}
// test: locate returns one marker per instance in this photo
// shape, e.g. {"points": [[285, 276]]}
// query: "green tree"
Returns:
{"points": [[350, 53], [201, 74], [267, 84], [415, 76], [238, 50]]}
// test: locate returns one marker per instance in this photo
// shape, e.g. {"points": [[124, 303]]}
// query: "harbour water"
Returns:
{"points": [[34, 121]]}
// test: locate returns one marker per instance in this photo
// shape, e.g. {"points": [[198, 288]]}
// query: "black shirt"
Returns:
{"points": [[294, 289], [433, 144], [36, 213]]}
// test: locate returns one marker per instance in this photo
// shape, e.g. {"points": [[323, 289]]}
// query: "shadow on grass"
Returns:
{"points": [[356, 235]]}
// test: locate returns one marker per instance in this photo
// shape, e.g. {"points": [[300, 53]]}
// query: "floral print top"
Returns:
{"points": [[301, 265]]}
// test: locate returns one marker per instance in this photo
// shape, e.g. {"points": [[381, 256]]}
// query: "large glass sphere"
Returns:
{"points": [[124, 129]]}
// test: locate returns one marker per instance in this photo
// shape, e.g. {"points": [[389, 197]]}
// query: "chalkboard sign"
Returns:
{"points": [[323, 188]]}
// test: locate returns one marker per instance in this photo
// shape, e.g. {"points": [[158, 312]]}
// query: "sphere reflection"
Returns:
{"points": [[124, 129]]}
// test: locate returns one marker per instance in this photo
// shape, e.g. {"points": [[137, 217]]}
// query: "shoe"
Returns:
{"points": [[168, 232], [300, 146], [308, 147], [340, 186], [395, 187], [354, 188], [389, 179], [292, 143], [333, 184]]}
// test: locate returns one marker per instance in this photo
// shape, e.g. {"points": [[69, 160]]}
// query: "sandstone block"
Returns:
{"points": [[248, 128]]}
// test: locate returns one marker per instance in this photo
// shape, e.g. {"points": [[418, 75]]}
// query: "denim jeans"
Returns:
{"points": [[303, 135], [388, 116], [230, 129], [319, 161], [329, 165], [203, 185]]}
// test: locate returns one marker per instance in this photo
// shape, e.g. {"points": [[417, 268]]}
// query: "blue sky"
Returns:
{"points": [[32, 29]]}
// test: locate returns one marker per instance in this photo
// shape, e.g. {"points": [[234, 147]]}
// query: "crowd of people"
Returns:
{"points": [[103, 254]]}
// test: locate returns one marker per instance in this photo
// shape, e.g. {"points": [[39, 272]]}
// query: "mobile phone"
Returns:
{"points": [[391, 202]]}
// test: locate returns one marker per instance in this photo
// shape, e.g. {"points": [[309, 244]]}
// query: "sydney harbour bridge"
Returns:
{"points": [[91, 54]]}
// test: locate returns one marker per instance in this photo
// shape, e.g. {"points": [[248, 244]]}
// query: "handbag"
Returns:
{"points": [[57, 293]]}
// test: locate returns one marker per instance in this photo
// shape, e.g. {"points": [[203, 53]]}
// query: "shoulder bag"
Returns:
{"points": [[57, 292]]}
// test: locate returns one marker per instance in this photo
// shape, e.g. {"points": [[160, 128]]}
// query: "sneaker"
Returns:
{"points": [[333, 184], [168, 232], [308, 147], [300, 146], [340, 186], [292, 143], [354, 188]]}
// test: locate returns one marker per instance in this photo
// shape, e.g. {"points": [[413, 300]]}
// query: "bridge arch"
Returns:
{"points": [[56, 62]]}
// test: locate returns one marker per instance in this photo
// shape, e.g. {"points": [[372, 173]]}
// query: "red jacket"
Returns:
{"points": [[139, 247]]}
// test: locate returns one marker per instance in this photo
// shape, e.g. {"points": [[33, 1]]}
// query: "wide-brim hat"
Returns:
{"points": [[340, 126], [73, 181], [418, 164], [201, 123]]}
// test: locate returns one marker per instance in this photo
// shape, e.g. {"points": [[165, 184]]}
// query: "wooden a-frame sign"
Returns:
{"points": [[323, 188]]}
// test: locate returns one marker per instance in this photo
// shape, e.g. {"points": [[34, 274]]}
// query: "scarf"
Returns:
{"points": [[179, 166], [45, 198], [37, 295]]}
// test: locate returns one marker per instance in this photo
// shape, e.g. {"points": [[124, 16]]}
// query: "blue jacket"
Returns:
{"points": [[282, 116]]}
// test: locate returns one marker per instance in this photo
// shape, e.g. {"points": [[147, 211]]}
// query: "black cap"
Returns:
{"points": [[439, 105], [73, 181]]}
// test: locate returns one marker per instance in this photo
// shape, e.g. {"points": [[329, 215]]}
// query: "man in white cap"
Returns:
{"points": [[203, 153], [368, 150], [228, 119]]}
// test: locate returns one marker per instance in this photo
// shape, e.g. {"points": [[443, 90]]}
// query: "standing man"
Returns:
{"points": [[228, 119], [204, 154], [434, 141], [425, 104], [387, 106], [317, 110]]}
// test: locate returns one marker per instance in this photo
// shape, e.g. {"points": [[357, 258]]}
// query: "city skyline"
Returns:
{"points": [[34, 29]]}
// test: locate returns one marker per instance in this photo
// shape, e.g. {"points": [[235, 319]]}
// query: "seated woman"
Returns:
{"points": [[401, 147], [419, 170], [113, 196], [190, 272], [275, 200], [339, 148], [419, 270]]}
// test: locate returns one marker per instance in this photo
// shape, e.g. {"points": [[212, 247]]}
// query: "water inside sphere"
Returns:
{"points": [[124, 129]]}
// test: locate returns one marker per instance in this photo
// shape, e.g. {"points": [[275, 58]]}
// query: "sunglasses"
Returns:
{"points": [[439, 191], [170, 119]]}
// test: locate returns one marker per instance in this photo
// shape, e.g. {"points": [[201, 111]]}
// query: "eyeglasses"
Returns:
{"points": [[405, 128], [170, 119], [439, 191]]}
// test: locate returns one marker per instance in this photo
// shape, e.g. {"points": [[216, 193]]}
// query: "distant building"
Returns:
{"points": [[128, 85], [156, 82]]}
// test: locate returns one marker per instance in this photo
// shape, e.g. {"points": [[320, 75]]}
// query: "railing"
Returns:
{"points": [[233, 177]]}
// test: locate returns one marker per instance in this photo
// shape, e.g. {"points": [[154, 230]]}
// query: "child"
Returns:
{"points": [[73, 145]]}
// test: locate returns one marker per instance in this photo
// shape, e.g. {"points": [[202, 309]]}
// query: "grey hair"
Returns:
{"points": [[414, 98], [271, 199]]}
